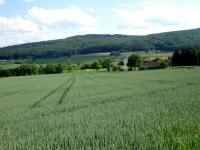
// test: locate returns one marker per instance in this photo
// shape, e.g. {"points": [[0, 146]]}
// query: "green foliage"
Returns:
{"points": [[59, 68], [103, 43], [4, 73], [86, 66], [96, 65], [121, 63], [130, 69], [25, 70], [134, 61], [176, 58], [69, 68], [115, 68], [163, 64], [41, 69], [106, 63], [142, 66], [52, 69], [186, 57]]}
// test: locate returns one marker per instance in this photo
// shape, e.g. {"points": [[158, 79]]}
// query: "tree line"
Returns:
{"points": [[25, 70], [134, 62], [186, 57]]}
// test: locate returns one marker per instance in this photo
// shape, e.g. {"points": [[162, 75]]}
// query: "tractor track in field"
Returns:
{"points": [[67, 90], [90, 104], [90, 77], [115, 99], [50, 93]]}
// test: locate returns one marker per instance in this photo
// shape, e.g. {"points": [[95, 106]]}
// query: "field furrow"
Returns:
{"points": [[49, 94], [67, 90]]}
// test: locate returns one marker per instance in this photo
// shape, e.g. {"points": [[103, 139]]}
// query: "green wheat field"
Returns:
{"points": [[157, 109]]}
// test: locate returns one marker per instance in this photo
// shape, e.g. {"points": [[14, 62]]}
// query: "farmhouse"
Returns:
{"points": [[152, 64], [163, 58]]}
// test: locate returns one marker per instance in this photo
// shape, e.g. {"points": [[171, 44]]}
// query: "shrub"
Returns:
{"points": [[59, 68], [163, 64], [121, 69], [85, 66], [142, 67], [115, 68], [25, 70], [4, 73], [96, 65], [121, 63], [69, 68], [52, 69], [130, 69]]}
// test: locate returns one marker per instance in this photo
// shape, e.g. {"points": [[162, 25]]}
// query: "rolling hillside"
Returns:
{"points": [[86, 44]]}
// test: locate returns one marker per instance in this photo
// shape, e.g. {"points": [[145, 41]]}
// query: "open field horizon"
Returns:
{"points": [[157, 109]]}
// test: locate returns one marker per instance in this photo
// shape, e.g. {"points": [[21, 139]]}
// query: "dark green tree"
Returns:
{"points": [[189, 57], [134, 61], [186, 57], [106, 64], [49, 69], [96, 65], [59, 68], [163, 64], [4, 73], [176, 58], [121, 63], [41, 69]]}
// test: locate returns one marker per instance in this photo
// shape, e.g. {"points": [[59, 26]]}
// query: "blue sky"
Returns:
{"points": [[23, 21]]}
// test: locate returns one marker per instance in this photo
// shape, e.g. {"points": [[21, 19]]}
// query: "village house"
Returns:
{"points": [[153, 63]]}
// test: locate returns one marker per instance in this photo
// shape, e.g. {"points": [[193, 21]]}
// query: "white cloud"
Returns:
{"points": [[2, 2], [17, 30], [91, 10], [45, 24], [153, 18], [72, 15], [17, 24]]}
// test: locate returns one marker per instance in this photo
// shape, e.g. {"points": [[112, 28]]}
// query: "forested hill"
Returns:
{"points": [[86, 44]]}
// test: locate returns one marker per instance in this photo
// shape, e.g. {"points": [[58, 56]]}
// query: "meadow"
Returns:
{"points": [[89, 58], [158, 109], [77, 59], [8, 65]]}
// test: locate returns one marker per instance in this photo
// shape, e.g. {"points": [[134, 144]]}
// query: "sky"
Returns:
{"points": [[23, 21]]}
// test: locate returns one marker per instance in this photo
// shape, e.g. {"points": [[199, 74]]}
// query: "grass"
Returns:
{"points": [[78, 59], [8, 65], [157, 109], [89, 58], [151, 54]]}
